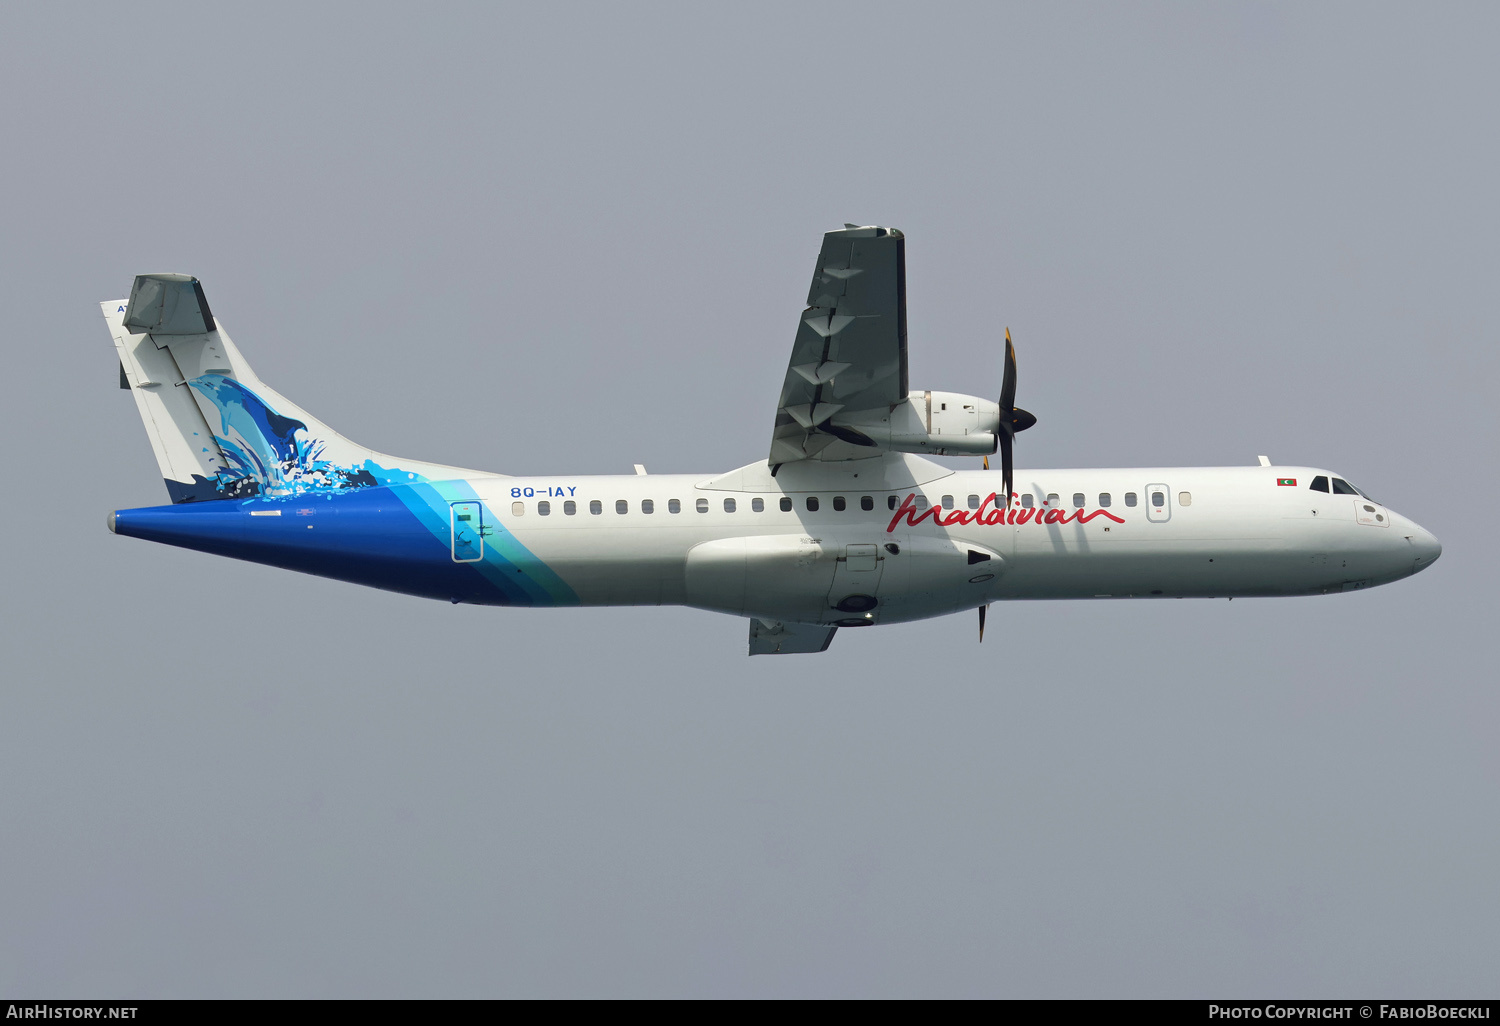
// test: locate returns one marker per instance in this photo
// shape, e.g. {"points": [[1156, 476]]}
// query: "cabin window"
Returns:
{"points": [[1342, 487], [1184, 498], [786, 504], [701, 505], [1158, 499], [728, 505], [758, 505], [570, 508], [596, 507], [890, 502], [621, 506], [1052, 498], [1078, 500], [947, 502], [867, 502], [839, 504], [1028, 500], [674, 505], [922, 502], [1103, 500], [812, 503], [1130, 498], [544, 508], [973, 502], [648, 505], [1319, 484], [517, 508]]}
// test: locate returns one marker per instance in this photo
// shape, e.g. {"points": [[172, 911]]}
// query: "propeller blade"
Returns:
{"points": [[1007, 465], [982, 611], [1008, 385], [1011, 420]]}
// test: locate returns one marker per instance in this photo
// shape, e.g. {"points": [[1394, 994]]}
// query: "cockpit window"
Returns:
{"points": [[1342, 487], [1319, 484]]}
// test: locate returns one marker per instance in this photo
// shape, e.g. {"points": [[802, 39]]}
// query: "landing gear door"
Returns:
{"points": [[1158, 503], [856, 578]]}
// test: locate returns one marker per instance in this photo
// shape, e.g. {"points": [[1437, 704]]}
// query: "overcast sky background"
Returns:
{"points": [[569, 238]]}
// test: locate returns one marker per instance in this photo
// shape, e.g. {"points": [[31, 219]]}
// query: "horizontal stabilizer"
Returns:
{"points": [[168, 304], [771, 637]]}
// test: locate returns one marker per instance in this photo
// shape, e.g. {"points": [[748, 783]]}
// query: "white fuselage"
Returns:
{"points": [[728, 543]]}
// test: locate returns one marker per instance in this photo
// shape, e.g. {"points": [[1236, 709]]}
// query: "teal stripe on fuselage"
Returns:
{"points": [[507, 564]]}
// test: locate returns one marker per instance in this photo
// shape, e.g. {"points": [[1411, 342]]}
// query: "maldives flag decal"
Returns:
{"points": [[1287, 482]]}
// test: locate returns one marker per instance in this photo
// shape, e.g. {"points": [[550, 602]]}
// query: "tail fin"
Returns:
{"points": [[218, 431]]}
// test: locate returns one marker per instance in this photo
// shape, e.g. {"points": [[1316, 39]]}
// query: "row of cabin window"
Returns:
{"points": [[757, 504], [1029, 501], [866, 503]]}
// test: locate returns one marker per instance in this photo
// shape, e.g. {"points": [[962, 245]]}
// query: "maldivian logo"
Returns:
{"points": [[989, 513]]}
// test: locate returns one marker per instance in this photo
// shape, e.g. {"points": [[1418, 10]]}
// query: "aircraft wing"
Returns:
{"points": [[771, 637], [849, 357]]}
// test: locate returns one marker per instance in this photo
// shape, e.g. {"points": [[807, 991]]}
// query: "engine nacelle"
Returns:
{"points": [[931, 423]]}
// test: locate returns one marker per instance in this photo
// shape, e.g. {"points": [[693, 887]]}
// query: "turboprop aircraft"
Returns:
{"points": [[846, 523]]}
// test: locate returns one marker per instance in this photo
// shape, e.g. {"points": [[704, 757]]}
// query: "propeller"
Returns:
{"points": [[1011, 421]]}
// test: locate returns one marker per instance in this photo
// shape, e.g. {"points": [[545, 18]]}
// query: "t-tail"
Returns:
{"points": [[218, 431]]}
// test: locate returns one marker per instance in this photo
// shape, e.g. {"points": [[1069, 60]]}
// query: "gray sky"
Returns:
{"points": [[569, 238]]}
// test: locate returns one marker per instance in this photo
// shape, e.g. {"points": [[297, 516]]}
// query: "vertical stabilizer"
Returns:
{"points": [[217, 430], [191, 462]]}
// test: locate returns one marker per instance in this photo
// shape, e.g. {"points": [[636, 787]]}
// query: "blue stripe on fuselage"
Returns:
{"points": [[372, 536]]}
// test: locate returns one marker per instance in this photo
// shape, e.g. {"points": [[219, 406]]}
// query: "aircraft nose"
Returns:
{"points": [[1425, 549]]}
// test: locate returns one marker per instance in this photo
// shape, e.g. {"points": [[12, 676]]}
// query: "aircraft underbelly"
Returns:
{"points": [[1268, 561]]}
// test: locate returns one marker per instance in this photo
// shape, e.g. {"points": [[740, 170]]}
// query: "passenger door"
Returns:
{"points": [[468, 532]]}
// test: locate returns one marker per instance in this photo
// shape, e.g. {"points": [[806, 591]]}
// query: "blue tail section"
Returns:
{"points": [[394, 538], [253, 476]]}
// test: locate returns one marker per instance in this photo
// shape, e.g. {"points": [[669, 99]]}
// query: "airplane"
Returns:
{"points": [[845, 523]]}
